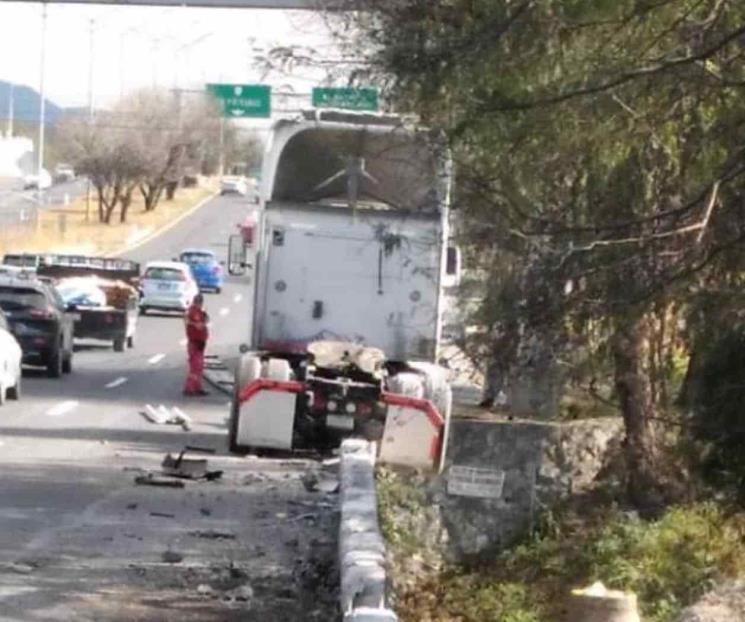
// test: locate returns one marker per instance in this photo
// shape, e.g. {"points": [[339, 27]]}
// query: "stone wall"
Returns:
{"points": [[499, 476]]}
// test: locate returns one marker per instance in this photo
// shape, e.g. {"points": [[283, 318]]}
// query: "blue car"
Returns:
{"points": [[205, 267]]}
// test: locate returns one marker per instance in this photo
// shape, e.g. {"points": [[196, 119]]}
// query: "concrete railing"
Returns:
{"points": [[361, 545]]}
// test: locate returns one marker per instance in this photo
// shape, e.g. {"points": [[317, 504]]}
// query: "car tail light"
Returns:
{"points": [[40, 341], [46, 314], [215, 269]]}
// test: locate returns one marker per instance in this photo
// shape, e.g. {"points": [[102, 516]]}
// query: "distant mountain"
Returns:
{"points": [[26, 104]]}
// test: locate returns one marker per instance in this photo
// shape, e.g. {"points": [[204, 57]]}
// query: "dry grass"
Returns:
{"points": [[70, 230]]}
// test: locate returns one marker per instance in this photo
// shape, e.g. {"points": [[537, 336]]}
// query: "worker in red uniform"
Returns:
{"points": [[196, 319]]}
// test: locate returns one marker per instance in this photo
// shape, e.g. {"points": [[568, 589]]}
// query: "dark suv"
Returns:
{"points": [[38, 319]]}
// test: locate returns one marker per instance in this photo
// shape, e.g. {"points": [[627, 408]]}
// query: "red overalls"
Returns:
{"points": [[196, 334]]}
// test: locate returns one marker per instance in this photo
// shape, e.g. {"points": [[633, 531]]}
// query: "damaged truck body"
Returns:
{"points": [[351, 261]]}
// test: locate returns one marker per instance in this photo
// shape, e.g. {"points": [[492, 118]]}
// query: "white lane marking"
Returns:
{"points": [[116, 383], [183, 342], [154, 360], [237, 298], [62, 408], [224, 311]]}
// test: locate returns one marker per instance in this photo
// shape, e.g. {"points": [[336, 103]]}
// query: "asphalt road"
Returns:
{"points": [[78, 540]]}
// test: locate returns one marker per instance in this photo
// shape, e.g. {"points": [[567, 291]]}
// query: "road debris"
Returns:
{"points": [[162, 415], [211, 534], [152, 479], [189, 468], [171, 557], [312, 482], [163, 514]]}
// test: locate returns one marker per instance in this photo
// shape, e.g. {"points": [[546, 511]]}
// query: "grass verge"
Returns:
{"points": [[74, 229], [669, 562]]}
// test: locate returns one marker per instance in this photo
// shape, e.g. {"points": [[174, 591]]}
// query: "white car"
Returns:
{"points": [[36, 181], [167, 286], [63, 173], [234, 184], [10, 363]]}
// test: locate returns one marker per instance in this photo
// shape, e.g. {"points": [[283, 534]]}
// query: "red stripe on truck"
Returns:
{"points": [[394, 399], [264, 384], [435, 418]]}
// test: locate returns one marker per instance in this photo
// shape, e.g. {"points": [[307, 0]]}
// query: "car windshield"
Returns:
{"points": [[164, 274], [18, 298], [197, 258]]}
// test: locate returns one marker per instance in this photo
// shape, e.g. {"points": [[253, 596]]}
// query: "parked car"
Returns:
{"points": [[37, 181], [234, 184], [39, 321], [10, 363], [205, 267], [167, 286], [63, 173]]}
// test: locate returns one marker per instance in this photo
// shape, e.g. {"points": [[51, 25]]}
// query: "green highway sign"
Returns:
{"points": [[243, 100], [348, 98]]}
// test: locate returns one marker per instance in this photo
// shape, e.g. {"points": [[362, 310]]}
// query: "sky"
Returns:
{"points": [[134, 47]]}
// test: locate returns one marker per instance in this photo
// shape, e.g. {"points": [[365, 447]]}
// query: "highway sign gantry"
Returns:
{"points": [[242, 101], [348, 98]]}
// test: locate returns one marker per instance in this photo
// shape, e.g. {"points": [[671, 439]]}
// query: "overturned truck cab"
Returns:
{"points": [[351, 262]]}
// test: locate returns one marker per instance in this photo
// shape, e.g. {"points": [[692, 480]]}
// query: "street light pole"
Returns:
{"points": [[10, 110], [91, 34], [42, 105]]}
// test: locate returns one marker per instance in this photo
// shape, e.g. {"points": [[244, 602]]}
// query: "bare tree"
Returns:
{"points": [[110, 157]]}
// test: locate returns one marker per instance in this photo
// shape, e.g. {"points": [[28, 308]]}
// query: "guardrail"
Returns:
{"points": [[361, 545]]}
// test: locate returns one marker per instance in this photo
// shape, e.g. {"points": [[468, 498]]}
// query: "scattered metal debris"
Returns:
{"points": [[211, 534], [171, 557], [162, 415], [190, 468], [312, 482], [163, 514], [152, 479]]}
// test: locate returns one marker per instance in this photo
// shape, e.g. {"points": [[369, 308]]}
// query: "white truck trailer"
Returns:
{"points": [[351, 260]]}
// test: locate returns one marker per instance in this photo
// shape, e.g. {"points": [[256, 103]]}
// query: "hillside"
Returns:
{"points": [[26, 104]]}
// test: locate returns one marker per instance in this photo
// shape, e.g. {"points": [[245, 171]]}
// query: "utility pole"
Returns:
{"points": [[221, 166], [11, 103], [91, 33], [91, 29], [42, 105]]}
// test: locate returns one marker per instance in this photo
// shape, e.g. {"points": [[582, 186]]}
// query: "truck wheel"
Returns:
{"points": [[119, 344], [131, 341], [67, 364], [278, 369], [143, 310], [14, 393], [54, 365], [408, 384], [218, 290]]}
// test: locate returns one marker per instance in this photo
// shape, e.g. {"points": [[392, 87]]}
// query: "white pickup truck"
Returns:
{"points": [[352, 256]]}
